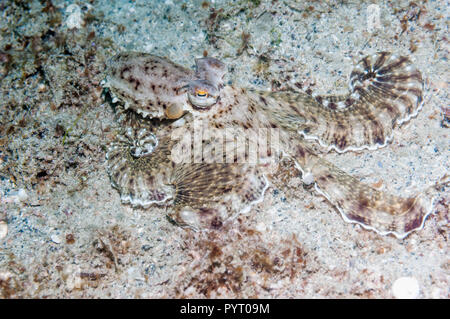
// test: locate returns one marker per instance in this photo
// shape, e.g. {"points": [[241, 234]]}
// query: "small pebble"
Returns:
{"points": [[308, 179], [405, 288], [5, 275], [55, 238], [42, 88], [261, 227], [74, 20], [22, 195], [15, 196], [3, 229], [70, 239]]}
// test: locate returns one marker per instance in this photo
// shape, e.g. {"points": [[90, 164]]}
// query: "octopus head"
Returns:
{"points": [[199, 92], [198, 95], [156, 87], [202, 91]]}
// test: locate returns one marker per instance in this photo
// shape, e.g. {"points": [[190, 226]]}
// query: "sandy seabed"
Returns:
{"points": [[64, 232]]}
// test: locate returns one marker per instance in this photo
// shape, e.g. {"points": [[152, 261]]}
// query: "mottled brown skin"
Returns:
{"points": [[146, 83], [386, 91]]}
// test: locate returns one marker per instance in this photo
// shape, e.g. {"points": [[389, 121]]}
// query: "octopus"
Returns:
{"points": [[187, 139]]}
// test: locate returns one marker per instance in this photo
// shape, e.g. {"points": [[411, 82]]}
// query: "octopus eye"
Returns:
{"points": [[201, 93]]}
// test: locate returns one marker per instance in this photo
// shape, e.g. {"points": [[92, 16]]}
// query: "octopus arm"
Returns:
{"points": [[386, 91], [359, 203]]}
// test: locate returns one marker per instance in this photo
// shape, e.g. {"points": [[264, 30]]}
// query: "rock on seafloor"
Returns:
{"points": [[406, 288], [3, 229]]}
